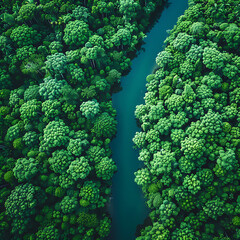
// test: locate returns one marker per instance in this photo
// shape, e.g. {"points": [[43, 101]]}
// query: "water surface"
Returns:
{"points": [[127, 207]]}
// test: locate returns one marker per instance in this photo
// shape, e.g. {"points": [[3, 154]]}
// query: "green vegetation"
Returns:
{"points": [[190, 123], [60, 61]]}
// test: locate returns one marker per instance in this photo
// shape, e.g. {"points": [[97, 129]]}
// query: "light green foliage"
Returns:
{"points": [[25, 35], [205, 177], [51, 108], [168, 209], [22, 201], [96, 40], [90, 192], [30, 110], [192, 148], [56, 47], [15, 96], [4, 110], [195, 53], [30, 138], [198, 29], [192, 183], [13, 132], [175, 103], [165, 60], [230, 112], [105, 168], [68, 109], [162, 163], [102, 85], [163, 126], [177, 135], [76, 33], [157, 231], [188, 94], [18, 144], [60, 161], [142, 177], [55, 135], [77, 74], [231, 72], [128, 8], [104, 227], [212, 58], [90, 109], [80, 13], [48, 233], [104, 126], [139, 139], [121, 38], [232, 36], [144, 155], [187, 69], [179, 119], [32, 65], [79, 168], [204, 91], [9, 177], [186, 165], [73, 55], [95, 154], [214, 208], [185, 232], [26, 12], [227, 160], [235, 96], [51, 88], [77, 146], [56, 63], [182, 42], [113, 76], [68, 204], [156, 112], [209, 124], [25, 169], [25, 52], [152, 135], [65, 180], [32, 92], [212, 80]]}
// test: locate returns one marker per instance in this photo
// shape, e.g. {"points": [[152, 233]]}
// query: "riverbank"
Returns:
{"points": [[128, 207]]}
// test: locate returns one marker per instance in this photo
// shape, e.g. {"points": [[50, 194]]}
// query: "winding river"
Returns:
{"points": [[127, 207]]}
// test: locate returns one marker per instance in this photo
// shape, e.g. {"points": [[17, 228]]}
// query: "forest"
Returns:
{"points": [[60, 63], [190, 138]]}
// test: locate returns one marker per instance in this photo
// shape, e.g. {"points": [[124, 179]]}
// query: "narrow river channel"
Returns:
{"points": [[127, 207]]}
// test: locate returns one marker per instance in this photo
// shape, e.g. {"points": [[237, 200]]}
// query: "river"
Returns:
{"points": [[127, 207]]}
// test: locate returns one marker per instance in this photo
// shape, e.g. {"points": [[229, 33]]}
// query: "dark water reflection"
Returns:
{"points": [[127, 206]]}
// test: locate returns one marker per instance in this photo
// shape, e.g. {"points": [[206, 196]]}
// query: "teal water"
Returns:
{"points": [[127, 206]]}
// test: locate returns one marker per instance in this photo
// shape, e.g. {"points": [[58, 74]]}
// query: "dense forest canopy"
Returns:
{"points": [[190, 138], [60, 62]]}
